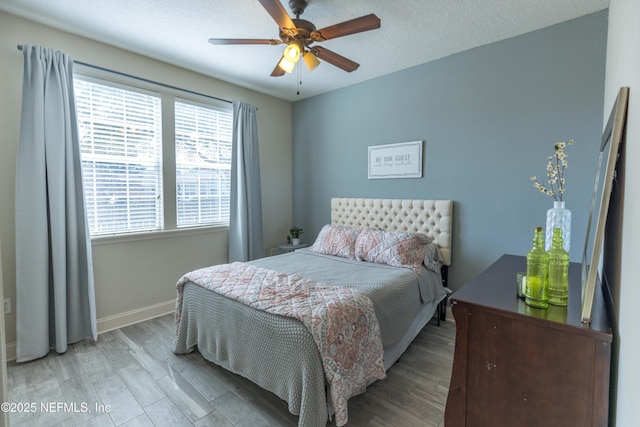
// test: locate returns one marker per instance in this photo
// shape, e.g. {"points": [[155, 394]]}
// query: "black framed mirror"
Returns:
{"points": [[605, 172]]}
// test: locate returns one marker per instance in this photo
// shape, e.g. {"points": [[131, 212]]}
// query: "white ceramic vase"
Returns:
{"points": [[558, 217]]}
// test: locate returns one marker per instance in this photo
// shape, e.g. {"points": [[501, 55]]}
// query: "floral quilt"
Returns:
{"points": [[341, 320]]}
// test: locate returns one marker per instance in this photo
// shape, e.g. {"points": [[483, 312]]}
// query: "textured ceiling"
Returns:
{"points": [[412, 32]]}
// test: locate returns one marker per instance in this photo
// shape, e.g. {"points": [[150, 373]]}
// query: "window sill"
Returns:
{"points": [[156, 234]]}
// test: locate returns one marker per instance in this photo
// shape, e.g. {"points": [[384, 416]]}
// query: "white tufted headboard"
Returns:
{"points": [[431, 217]]}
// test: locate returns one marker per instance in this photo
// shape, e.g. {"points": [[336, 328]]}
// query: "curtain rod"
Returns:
{"points": [[145, 80]]}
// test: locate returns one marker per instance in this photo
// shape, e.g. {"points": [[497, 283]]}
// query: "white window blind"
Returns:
{"points": [[121, 150], [203, 163]]}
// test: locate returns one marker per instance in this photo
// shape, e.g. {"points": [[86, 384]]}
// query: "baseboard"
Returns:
{"points": [[11, 351], [120, 320], [127, 318]]}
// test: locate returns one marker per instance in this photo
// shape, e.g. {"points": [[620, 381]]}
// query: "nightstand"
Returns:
{"points": [[289, 247]]}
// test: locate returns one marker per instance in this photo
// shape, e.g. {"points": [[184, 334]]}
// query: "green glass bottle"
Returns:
{"points": [[536, 294], [558, 271]]}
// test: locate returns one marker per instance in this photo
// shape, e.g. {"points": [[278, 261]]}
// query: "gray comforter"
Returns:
{"points": [[278, 353]]}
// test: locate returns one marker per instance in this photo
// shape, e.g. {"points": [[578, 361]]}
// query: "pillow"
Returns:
{"points": [[337, 240], [395, 248]]}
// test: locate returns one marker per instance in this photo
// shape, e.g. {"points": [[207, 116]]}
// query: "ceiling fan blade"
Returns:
{"points": [[244, 41], [278, 72], [335, 59], [357, 25], [278, 13]]}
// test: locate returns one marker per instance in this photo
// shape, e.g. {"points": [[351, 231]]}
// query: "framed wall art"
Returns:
{"points": [[401, 160]]}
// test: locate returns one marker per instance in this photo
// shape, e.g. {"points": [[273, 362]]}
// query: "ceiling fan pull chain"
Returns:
{"points": [[299, 78]]}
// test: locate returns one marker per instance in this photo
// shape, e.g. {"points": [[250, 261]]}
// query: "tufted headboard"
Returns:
{"points": [[431, 217]]}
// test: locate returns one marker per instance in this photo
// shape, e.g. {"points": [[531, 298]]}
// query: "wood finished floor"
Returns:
{"points": [[130, 377]]}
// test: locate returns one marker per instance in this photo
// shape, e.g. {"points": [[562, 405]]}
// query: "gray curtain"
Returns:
{"points": [[246, 241], [55, 302]]}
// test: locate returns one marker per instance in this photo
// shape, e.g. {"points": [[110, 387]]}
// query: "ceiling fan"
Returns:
{"points": [[299, 35]]}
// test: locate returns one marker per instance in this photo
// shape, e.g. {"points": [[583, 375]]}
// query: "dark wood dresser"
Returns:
{"points": [[520, 366]]}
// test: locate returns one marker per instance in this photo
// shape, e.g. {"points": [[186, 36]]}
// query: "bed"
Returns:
{"points": [[279, 353]]}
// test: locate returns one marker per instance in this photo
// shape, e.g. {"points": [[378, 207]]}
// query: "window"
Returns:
{"points": [[123, 155], [203, 164], [121, 151]]}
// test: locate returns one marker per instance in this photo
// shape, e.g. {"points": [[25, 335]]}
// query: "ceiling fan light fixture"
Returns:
{"points": [[292, 53], [310, 60], [286, 65]]}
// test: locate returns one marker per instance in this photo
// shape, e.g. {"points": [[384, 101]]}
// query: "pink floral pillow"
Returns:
{"points": [[337, 240], [395, 248]]}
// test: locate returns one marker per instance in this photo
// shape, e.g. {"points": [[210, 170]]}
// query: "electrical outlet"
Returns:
{"points": [[7, 306]]}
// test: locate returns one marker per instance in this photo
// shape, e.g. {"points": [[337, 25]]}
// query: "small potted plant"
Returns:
{"points": [[295, 233]]}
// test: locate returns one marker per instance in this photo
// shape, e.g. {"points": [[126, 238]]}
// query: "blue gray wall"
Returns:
{"points": [[489, 118]]}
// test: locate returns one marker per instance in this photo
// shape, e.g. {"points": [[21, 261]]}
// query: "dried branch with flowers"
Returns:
{"points": [[555, 172]]}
